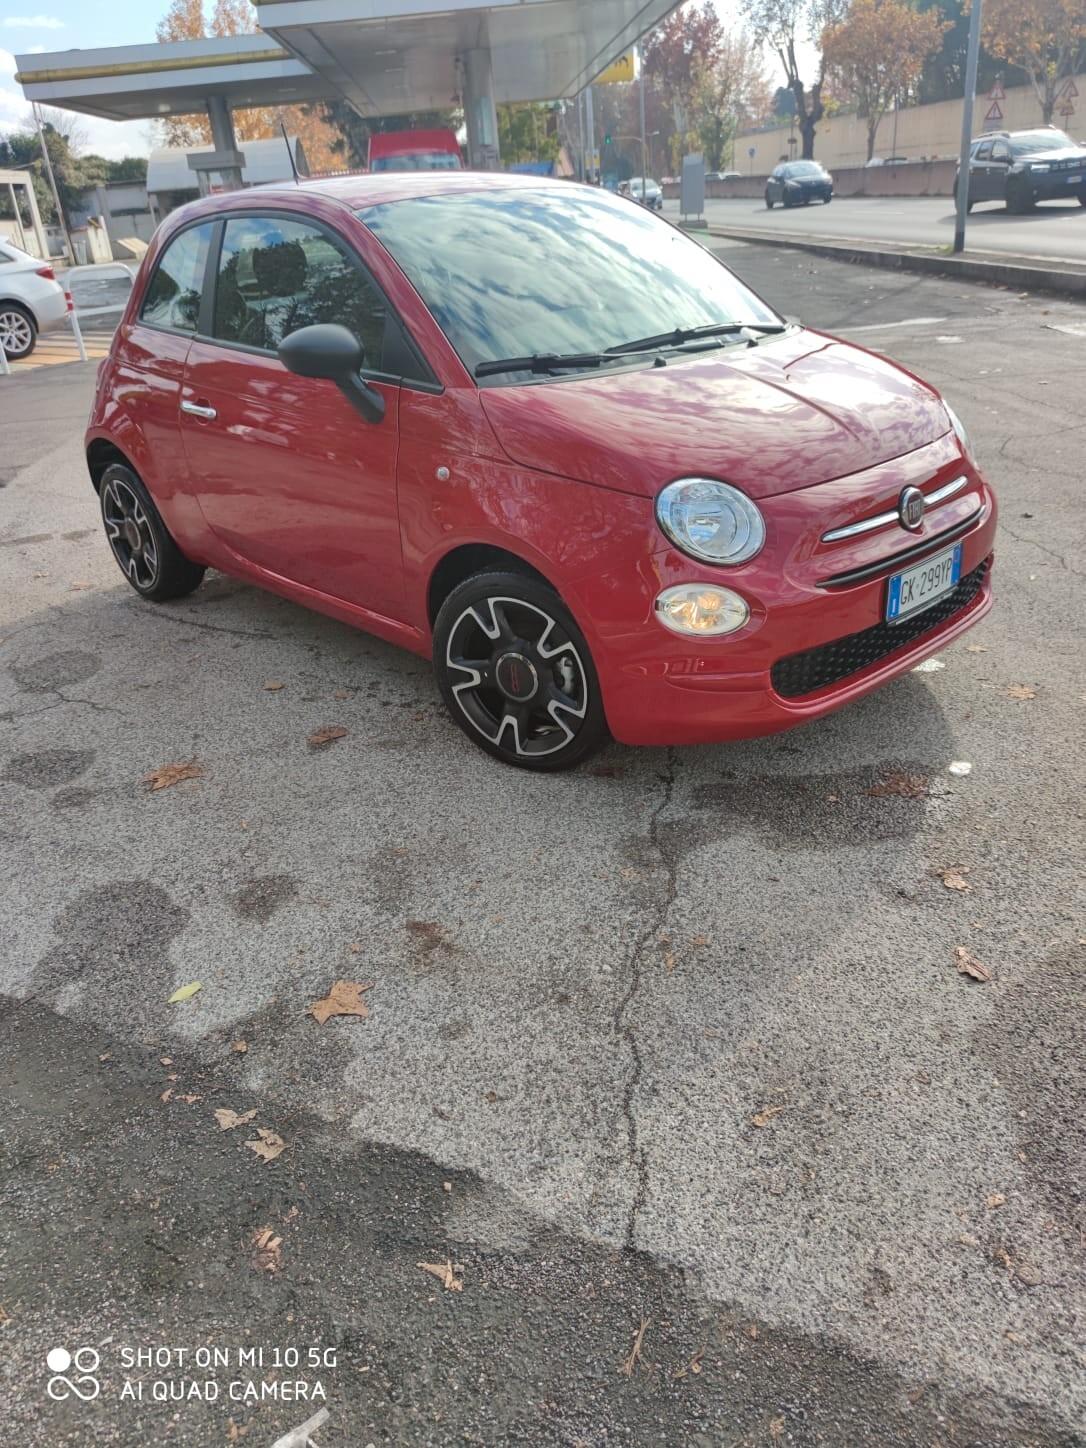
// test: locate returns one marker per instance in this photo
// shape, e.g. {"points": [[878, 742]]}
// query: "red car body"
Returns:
{"points": [[291, 490]]}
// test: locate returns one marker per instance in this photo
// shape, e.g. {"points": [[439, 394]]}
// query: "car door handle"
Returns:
{"points": [[195, 410]]}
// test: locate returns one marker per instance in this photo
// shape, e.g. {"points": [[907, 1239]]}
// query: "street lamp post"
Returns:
{"points": [[972, 58]]}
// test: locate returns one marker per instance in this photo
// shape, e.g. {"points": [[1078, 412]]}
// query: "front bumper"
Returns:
{"points": [[1053, 186], [660, 688]]}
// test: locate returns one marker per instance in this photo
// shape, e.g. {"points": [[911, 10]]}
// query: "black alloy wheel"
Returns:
{"points": [[516, 673], [145, 552]]}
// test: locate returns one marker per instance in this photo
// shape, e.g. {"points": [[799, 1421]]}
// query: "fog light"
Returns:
{"points": [[698, 608]]}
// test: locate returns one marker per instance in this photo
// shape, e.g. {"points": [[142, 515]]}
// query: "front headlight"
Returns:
{"points": [[1040, 166], [959, 428], [710, 521]]}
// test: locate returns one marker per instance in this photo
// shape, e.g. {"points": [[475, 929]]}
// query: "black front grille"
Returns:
{"points": [[817, 668]]}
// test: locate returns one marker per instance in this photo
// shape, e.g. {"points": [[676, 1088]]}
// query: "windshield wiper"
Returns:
{"points": [[542, 362], [691, 334]]}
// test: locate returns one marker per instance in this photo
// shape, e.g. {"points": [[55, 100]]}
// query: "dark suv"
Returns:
{"points": [[1021, 168]]}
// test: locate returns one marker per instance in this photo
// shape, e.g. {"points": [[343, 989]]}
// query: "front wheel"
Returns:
{"points": [[142, 545], [516, 673], [18, 331], [826, 200], [768, 203], [1019, 200]]}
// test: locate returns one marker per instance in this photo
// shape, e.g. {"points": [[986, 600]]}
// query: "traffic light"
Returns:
{"points": [[607, 139]]}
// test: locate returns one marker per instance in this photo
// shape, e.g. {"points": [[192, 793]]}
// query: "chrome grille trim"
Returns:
{"points": [[884, 520]]}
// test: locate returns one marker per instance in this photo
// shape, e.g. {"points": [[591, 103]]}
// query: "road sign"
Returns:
{"points": [[1068, 91], [997, 93], [1067, 109], [994, 115], [620, 72], [751, 152]]}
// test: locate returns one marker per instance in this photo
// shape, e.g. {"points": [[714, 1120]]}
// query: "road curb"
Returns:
{"points": [[1026, 276]]}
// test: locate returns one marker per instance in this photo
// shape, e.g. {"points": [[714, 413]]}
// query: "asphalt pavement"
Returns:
{"points": [[669, 1078], [1055, 230]]}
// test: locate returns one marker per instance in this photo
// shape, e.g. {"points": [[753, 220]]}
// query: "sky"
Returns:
{"points": [[75, 24]]}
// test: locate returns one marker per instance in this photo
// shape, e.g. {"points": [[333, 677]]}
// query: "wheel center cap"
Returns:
{"points": [[132, 536], [516, 677]]}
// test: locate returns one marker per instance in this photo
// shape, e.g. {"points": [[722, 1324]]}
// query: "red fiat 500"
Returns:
{"points": [[546, 438]]}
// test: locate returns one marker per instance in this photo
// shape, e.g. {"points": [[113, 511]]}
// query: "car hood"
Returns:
{"points": [[1065, 153], [792, 412]]}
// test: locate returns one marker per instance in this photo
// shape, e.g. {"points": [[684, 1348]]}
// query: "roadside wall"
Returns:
{"points": [[913, 178], [922, 132]]}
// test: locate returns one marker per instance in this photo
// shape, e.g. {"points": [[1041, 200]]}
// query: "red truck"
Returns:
{"points": [[415, 151]]}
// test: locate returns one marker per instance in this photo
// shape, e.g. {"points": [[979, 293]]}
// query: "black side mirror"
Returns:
{"points": [[334, 353]]}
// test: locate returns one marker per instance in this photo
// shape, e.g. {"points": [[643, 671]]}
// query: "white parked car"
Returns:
{"points": [[31, 301]]}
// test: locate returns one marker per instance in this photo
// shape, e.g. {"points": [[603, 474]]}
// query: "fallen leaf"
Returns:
{"points": [[693, 1366], [269, 1250], [995, 1200], [171, 774], [445, 1273], [165, 1060], [185, 993], [1021, 691], [898, 782], [323, 737], [190, 1100], [269, 1146], [776, 1428], [273, 686], [240, 1047], [634, 1357], [166, 1094], [80, 587], [765, 1116], [341, 694], [234, 1432], [953, 877], [969, 965], [106, 1056], [977, 648], [228, 1119], [344, 999], [701, 940]]}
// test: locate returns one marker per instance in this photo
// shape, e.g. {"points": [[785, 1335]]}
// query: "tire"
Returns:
{"points": [[826, 200], [1082, 198], [140, 541], [1019, 201], [18, 331], [516, 673], [968, 205], [768, 203]]}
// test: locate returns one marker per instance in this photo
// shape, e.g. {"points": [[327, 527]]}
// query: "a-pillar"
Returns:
{"points": [[480, 112], [224, 159]]}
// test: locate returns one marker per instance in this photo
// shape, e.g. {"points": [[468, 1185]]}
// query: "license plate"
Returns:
{"points": [[920, 587], [1074, 180]]}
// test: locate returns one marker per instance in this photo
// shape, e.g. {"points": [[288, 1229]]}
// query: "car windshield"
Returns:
{"points": [[562, 270], [803, 168], [1030, 142], [418, 161]]}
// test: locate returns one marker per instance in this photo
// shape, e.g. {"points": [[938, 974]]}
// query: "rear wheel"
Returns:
{"points": [[516, 673], [145, 552], [18, 331], [768, 202]]}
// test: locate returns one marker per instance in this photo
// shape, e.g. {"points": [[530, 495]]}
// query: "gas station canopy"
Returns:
{"points": [[385, 57]]}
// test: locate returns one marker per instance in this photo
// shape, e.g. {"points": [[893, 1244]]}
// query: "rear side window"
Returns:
{"points": [[276, 275], [176, 291], [983, 151]]}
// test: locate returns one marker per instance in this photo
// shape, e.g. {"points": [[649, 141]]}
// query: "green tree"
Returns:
{"points": [[76, 175], [526, 133]]}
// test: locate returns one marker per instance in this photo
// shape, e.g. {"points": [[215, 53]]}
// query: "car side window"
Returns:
{"points": [[1000, 151], [983, 151], [177, 287], [276, 275]]}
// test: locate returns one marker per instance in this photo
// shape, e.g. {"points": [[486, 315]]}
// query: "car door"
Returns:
{"points": [[773, 188], [980, 179], [998, 167], [288, 475]]}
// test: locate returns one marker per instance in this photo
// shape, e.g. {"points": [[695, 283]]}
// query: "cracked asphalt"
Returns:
{"points": [[674, 1041]]}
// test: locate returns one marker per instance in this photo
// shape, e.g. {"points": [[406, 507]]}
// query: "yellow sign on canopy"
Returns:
{"points": [[619, 72]]}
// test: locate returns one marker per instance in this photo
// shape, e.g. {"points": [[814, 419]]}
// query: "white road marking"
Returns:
{"points": [[908, 322]]}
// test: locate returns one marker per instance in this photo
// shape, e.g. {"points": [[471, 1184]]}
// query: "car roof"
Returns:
{"points": [[364, 190]]}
